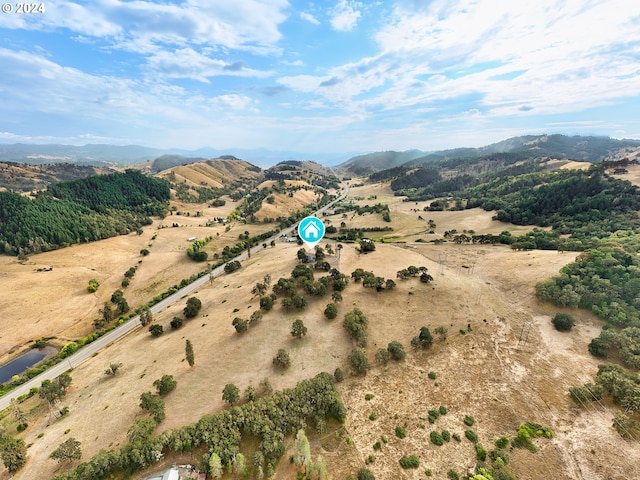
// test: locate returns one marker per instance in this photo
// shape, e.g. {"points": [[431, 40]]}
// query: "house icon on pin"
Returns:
{"points": [[311, 230]]}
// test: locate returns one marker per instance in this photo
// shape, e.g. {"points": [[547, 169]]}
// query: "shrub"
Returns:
{"points": [[446, 436], [93, 286], [282, 359], [359, 362], [563, 322], [165, 384], [266, 303], [471, 436], [331, 311], [502, 442], [434, 413], [240, 324], [373, 416], [469, 420], [366, 474], [338, 375], [442, 409], [396, 350], [481, 453], [176, 323], [456, 437], [382, 356], [156, 330], [432, 375], [436, 438], [410, 461], [400, 432], [377, 446], [368, 396], [453, 475]]}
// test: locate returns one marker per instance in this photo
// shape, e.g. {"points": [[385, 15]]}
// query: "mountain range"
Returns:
{"points": [[582, 148]]}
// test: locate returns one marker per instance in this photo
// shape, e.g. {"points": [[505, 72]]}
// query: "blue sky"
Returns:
{"points": [[324, 76]]}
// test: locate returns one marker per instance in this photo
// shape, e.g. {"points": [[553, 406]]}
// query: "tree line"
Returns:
{"points": [[268, 418]]}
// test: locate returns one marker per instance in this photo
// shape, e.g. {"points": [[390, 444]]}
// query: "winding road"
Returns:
{"points": [[134, 323]]}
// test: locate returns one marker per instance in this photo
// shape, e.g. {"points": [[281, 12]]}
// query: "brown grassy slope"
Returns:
{"points": [[24, 177], [212, 173]]}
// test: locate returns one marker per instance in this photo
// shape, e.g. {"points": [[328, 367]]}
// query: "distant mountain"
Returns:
{"points": [[372, 162], [124, 155], [22, 177], [582, 148]]}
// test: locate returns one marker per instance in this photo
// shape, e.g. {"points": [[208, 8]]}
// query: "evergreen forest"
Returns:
{"points": [[80, 211]]}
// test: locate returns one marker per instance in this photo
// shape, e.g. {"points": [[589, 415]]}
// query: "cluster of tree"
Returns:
{"points": [[235, 250], [423, 340], [413, 271], [79, 211], [370, 280], [584, 203], [605, 279], [232, 266], [353, 234], [191, 310], [269, 419], [420, 177], [626, 342], [195, 250], [129, 274], [395, 351], [380, 208], [241, 325]]}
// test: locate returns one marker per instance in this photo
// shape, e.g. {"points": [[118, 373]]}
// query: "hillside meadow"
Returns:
{"points": [[482, 295]]}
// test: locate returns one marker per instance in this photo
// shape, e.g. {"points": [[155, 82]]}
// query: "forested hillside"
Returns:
{"points": [[79, 211]]}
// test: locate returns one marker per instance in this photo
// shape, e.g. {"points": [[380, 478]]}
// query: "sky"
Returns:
{"points": [[323, 76]]}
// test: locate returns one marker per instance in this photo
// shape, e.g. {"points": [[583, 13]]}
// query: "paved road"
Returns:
{"points": [[134, 323]]}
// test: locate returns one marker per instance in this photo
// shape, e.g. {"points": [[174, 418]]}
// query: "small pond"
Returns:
{"points": [[20, 364]]}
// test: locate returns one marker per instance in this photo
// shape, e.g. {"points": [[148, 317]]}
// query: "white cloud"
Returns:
{"points": [[144, 26], [309, 18], [234, 102], [187, 63], [345, 15]]}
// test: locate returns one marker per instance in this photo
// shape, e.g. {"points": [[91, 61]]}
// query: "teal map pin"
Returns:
{"points": [[311, 231]]}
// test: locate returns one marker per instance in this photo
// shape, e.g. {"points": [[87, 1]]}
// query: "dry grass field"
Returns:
{"points": [[484, 372]]}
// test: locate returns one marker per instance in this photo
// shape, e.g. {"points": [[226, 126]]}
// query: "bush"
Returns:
{"points": [[442, 409], [396, 350], [446, 436], [471, 436], [502, 442], [481, 453], [93, 286], [176, 323], [359, 362], [193, 307], [410, 461], [563, 322], [432, 375], [266, 303], [469, 420], [400, 432], [282, 359], [240, 324], [165, 384], [382, 356], [373, 416], [453, 475], [338, 375], [156, 330], [436, 438], [331, 311], [366, 474]]}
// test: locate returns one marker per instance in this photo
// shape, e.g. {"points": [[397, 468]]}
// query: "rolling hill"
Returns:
{"points": [[582, 148]]}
